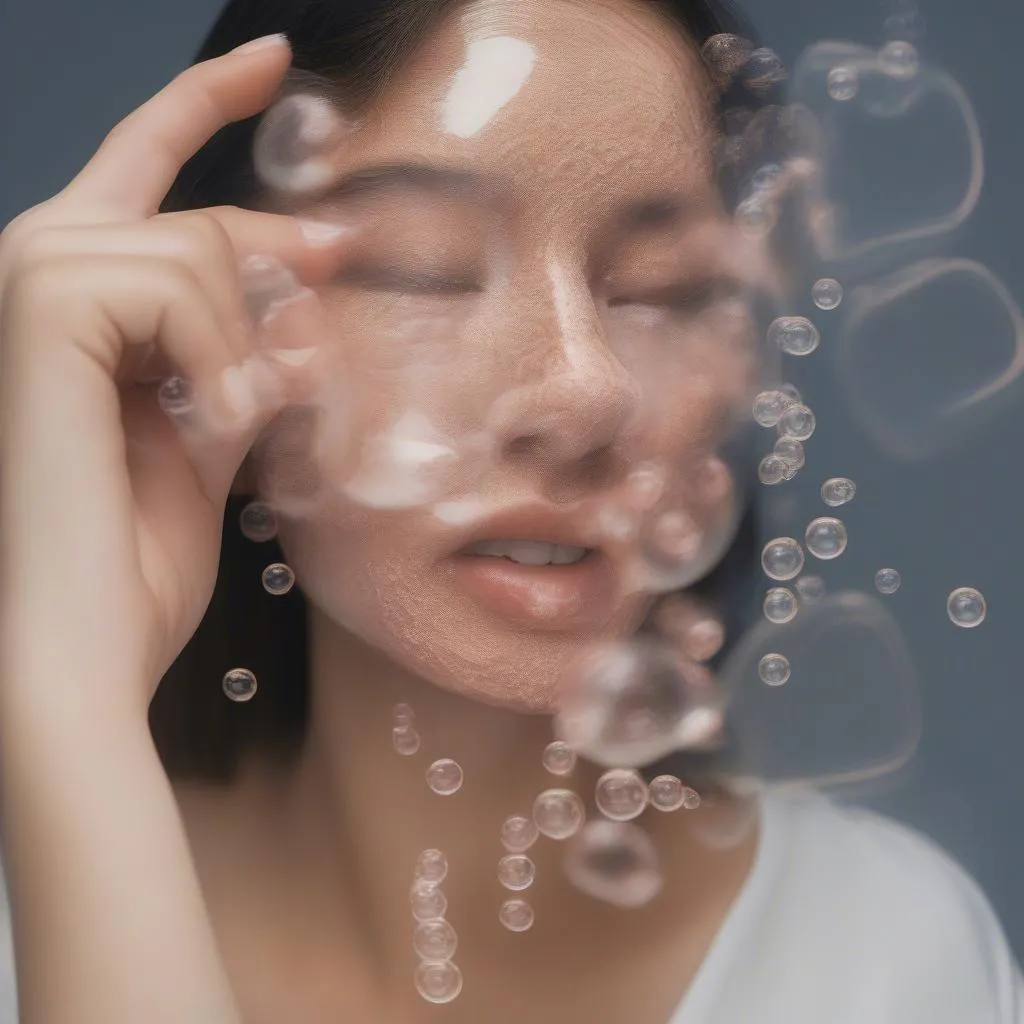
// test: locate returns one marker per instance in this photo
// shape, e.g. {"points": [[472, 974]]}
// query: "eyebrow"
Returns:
{"points": [[660, 212]]}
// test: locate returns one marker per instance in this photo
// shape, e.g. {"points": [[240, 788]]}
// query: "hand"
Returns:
{"points": [[110, 514]]}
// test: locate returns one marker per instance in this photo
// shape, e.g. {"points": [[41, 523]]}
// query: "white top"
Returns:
{"points": [[846, 918]]}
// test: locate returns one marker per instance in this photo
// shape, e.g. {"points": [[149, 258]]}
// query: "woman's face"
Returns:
{"points": [[544, 281]]}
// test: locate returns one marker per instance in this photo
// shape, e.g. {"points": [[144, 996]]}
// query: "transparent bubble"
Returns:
{"points": [[434, 940], [621, 794], [790, 391], [794, 335], [559, 758], [887, 581], [772, 470], [516, 915], [175, 397], [518, 834], [827, 293], [780, 605], [782, 559], [295, 141], [966, 607], [403, 714], [258, 522], [843, 83], [558, 813], [765, 177], [838, 491], [756, 215], [516, 872], [691, 799], [438, 981], [899, 59], [769, 407], [405, 739], [427, 900], [432, 866], [791, 451], [774, 669], [278, 579], [616, 862], [725, 54], [667, 793], [239, 685], [445, 776], [826, 538], [798, 423], [763, 71], [811, 589], [633, 702]]}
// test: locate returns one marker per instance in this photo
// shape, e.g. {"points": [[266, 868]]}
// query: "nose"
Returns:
{"points": [[573, 400]]}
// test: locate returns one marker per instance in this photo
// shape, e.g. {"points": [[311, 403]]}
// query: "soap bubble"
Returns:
{"points": [[516, 872], [780, 605], [966, 607], [615, 862], [427, 900], [791, 451], [827, 293], [794, 335], [633, 702], [763, 71], [842, 84], [434, 940], [838, 491], [438, 981], [772, 470], [175, 397], [782, 559], [826, 538], [798, 423], [403, 714], [432, 866], [621, 794], [887, 581], [769, 407], [899, 59], [278, 579], [518, 834], [559, 758], [516, 915], [765, 177], [725, 54], [667, 793], [756, 215], [258, 522], [774, 669], [445, 776], [239, 685], [691, 799], [405, 739], [810, 588], [558, 813]]}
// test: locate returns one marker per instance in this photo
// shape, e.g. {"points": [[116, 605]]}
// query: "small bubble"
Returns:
{"points": [[258, 522], [405, 739], [516, 915], [765, 177], [763, 71], [827, 293], [966, 607], [797, 423], [769, 407], [403, 715], [427, 900], [616, 862], [780, 605], [621, 794], [838, 491], [782, 559], [826, 538], [438, 981], [691, 799], [772, 470], [175, 397], [667, 793], [887, 581], [432, 866], [239, 685], [445, 776], [899, 59], [794, 335], [516, 872], [774, 669], [518, 834], [725, 54], [791, 392], [559, 758], [558, 813], [791, 451], [811, 589], [756, 216], [434, 940], [843, 84], [278, 579]]}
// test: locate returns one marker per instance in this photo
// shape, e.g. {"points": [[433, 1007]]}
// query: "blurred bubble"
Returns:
{"points": [[794, 335], [403, 714], [615, 862], [782, 559], [516, 915], [966, 607], [763, 71], [774, 669], [175, 397], [621, 794], [518, 834], [438, 981], [842, 83], [887, 581], [516, 872], [839, 490], [780, 605], [239, 685], [432, 866], [827, 293], [559, 758], [899, 59], [724, 55], [434, 940], [667, 793], [810, 588], [558, 813], [405, 739], [826, 537], [258, 522], [798, 422]]}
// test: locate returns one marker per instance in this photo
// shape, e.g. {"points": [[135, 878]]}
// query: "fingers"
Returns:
{"points": [[138, 161]]}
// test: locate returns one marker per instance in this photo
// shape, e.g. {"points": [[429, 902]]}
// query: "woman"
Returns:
{"points": [[228, 869]]}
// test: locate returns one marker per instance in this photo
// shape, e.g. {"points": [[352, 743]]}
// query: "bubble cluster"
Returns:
{"points": [[239, 685], [516, 915], [843, 83], [615, 862], [258, 522], [827, 294], [780, 605], [444, 776], [558, 813], [826, 538], [839, 490], [516, 872], [774, 669], [782, 559], [966, 607], [559, 758], [621, 794], [278, 579], [518, 834], [794, 335], [887, 581]]}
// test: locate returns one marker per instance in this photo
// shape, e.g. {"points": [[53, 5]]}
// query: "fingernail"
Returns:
{"points": [[263, 43], [316, 232], [236, 384]]}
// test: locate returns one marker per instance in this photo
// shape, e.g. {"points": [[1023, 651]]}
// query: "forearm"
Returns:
{"points": [[110, 926]]}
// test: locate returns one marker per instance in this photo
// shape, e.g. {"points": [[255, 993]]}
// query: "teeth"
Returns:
{"points": [[529, 552]]}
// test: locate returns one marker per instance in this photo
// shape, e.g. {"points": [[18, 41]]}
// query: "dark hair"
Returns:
{"points": [[198, 732]]}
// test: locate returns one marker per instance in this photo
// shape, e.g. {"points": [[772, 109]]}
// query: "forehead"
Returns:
{"points": [[552, 94]]}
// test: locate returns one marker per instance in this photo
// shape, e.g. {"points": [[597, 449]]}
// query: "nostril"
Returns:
{"points": [[525, 444]]}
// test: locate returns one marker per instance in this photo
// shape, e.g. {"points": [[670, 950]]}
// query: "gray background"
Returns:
{"points": [[69, 70]]}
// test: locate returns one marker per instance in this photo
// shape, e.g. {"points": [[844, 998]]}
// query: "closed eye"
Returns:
{"points": [[685, 297]]}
